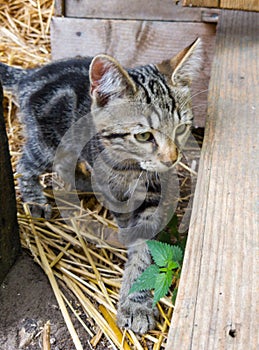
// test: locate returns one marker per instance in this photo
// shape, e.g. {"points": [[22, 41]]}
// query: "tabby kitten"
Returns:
{"points": [[132, 124]]}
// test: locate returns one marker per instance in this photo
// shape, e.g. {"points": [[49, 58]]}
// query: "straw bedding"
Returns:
{"points": [[80, 254]]}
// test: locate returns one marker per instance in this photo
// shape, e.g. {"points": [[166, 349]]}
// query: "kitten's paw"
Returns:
{"points": [[40, 210], [139, 317]]}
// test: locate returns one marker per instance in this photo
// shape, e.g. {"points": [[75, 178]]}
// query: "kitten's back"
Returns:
{"points": [[12, 77]]}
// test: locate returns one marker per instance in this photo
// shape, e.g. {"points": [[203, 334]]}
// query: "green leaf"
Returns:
{"points": [[146, 280], [162, 285], [161, 252], [172, 265], [177, 253]]}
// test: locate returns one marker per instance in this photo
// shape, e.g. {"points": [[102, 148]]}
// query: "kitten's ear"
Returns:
{"points": [[182, 68], [108, 79]]}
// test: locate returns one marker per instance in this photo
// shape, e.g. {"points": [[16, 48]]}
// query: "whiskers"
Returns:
{"points": [[199, 93], [192, 96], [132, 186]]}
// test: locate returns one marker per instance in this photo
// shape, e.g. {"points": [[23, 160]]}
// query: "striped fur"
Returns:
{"points": [[139, 119]]}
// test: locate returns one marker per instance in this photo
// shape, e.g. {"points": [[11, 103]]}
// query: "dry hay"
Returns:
{"points": [[90, 271]]}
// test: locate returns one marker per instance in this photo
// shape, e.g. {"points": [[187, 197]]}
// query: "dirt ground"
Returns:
{"points": [[27, 302]]}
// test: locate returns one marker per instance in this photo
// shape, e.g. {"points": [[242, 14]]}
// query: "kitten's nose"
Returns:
{"points": [[169, 155]]}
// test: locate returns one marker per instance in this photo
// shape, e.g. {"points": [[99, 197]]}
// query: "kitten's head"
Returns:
{"points": [[144, 114]]}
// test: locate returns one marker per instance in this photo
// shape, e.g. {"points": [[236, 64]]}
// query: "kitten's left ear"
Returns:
{"points": [[108, 79], [182, 68]]}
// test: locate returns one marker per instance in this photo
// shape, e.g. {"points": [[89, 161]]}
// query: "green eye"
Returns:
{"points": [[180, 129], [144, 137]]}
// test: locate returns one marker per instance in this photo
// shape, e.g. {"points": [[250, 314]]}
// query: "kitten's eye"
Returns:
{"points": [[180, 129], [144, 137]]}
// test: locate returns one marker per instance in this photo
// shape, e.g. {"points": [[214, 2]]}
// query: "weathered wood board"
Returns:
{"points": [[135, 43], [134, 9], [248, 5], [218, 299], [9, 232]]}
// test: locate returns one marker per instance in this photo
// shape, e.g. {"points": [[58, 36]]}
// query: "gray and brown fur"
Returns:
{"points": [[122, 106]]}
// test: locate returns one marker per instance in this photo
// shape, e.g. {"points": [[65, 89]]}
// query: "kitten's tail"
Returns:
{"points": [[11, 76]]}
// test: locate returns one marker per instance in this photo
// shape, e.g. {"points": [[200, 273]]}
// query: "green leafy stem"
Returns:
{"points": [[159, 276]]}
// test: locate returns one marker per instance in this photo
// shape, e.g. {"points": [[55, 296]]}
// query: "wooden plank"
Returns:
{"points": [[134, 43], [134, 9], [200, 3], [251, 5], [9, 232], [218, 300]]}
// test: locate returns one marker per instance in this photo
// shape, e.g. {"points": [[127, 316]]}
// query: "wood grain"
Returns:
{"points": [[9, 232], [248, 5], [251, 5], [199, 3], [135, 43], [218, 300], [134, 9]]}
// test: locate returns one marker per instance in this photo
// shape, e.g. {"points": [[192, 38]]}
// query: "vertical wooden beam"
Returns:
{"points": [[218, 300], [9, 233]]}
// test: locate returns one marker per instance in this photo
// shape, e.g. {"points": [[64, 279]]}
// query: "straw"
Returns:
{"points": [[46, 336], [48, 271]]}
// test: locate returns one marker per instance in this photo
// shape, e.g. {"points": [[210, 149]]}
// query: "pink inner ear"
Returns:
{"points": [[98, 70]]}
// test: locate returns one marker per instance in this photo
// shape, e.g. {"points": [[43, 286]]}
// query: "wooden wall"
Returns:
{"points": [[136, 33]]}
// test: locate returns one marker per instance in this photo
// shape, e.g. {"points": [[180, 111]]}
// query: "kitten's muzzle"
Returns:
{"points": [[169, 156]]}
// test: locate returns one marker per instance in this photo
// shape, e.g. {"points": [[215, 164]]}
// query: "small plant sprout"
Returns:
{"points": [[159, 276]]}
